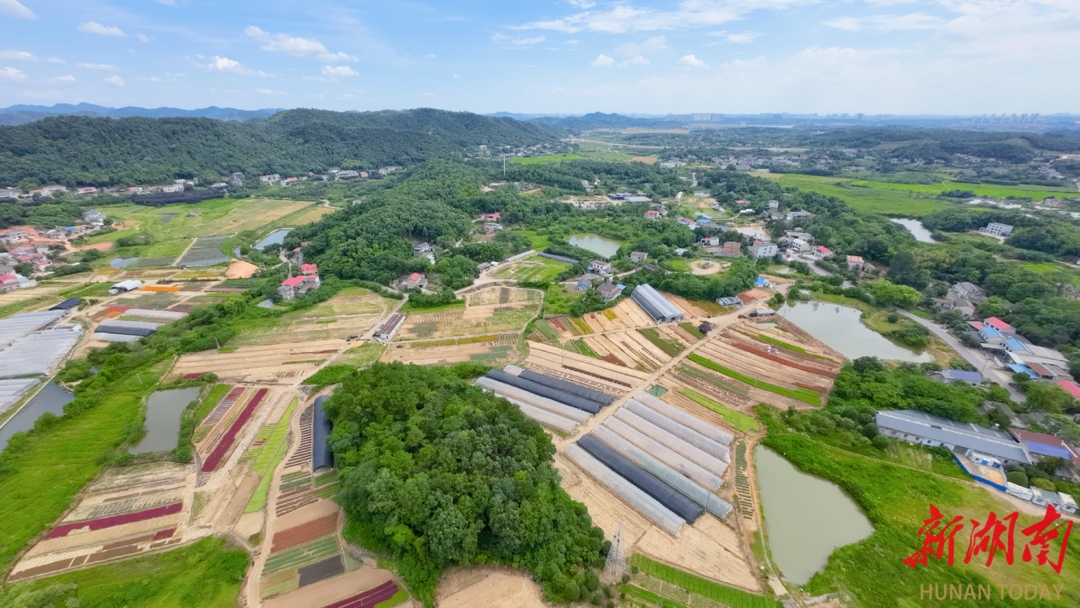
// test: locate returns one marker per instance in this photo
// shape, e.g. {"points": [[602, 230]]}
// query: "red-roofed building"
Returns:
{"points": [[652, 214], [855, 262], [8, 282], [490, 217], [976, 324], [309, 269], [414, 281], [823, 252], [1000, 325], [296, 287], [740, 202], [1070, 387]]}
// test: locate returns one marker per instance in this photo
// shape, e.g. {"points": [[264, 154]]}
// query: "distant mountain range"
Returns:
{"points": [[22, 114]]}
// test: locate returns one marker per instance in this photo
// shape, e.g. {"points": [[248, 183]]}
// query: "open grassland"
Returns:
{"points": [[206, 574], [544, 160], [533, 269], [45, 472], [217, 217], [896, 499], [908, 199], [878, 200]]}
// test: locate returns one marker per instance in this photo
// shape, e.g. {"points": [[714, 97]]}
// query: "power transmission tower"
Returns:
{"points": [[616, 559]]}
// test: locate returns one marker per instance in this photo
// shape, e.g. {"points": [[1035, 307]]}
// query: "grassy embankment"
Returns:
{"points": [[206, 574], [740, 421], [896, 499], [544, 160], [663, 585]]}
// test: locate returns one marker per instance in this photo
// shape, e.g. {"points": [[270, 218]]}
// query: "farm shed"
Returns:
{"points": [[321, 456], [11, 391], [678, 444], [671, 458], [683, 418], [67, 304], [523, 396], [123, 330], [663, 493], [642, 502], [26, 323], [563, 385], [658, 307], [687, 434], [545, 391], [712, 503], [544, 417]]}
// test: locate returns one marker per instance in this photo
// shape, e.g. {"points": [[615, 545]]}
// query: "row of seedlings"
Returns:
{"points": [[669, 462], [550, 401]]}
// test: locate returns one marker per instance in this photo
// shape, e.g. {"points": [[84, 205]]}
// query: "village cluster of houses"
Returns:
{"points": [[301, 284]]}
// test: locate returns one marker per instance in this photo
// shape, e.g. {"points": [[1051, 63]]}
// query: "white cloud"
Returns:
{"points": [[270, 92], [13, 8], [105, 67], [742, 38], [504, 40], [167, 2], [142, 37], [224, 64], [690, 14], [887, 23], [581, 3], [653, 45], [339, 70], [639, 60], [114, 80], [13, 55], [337, 57], [150, 79], [690, 61], [63, 79], [602, 61], [12, 74], [429, 56], [93, 27], [297, 46]]}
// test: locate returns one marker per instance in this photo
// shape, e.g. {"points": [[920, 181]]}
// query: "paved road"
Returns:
{"points": [[978, 360]]}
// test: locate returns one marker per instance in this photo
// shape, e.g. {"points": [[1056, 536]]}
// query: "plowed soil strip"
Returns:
{"points": [[226, 442], [116, 520], [320, 571], [781, 360], [303, 533], [369, 598]]}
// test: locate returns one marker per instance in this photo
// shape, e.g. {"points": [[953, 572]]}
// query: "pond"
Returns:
{"points": [[51, 399], [595, 243], [841, 328], [274, 238], [163, 411], [121, 262], [916, 228], [806, 518]]}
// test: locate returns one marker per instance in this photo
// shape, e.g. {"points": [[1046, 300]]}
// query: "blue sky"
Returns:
{"points": [[549, 56]]}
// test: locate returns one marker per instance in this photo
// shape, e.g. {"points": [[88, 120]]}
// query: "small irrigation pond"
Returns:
{"points": [[51, 399], [163, 412], [595, 243], [806, 518], [841, 328], [274, 238], [916, 228]]}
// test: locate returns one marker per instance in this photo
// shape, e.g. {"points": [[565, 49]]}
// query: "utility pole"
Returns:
{"points": [[504, 164]]}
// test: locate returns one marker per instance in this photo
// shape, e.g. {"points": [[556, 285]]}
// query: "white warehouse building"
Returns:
{"points": [[658, 307]]}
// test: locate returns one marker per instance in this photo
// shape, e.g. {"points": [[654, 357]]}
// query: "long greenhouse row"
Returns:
{"points": [[551, 401], [664, 462]]}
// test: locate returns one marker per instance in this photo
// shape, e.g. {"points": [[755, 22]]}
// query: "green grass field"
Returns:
{"points": [[906, 199], [217, 217], [533, 269], [544, 160], [206, 574], [671, 347], [48, 471], [741, 422]]}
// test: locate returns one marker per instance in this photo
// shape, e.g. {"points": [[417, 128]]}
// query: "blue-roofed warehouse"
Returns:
{"points": [[321, 456], [971, 378]]}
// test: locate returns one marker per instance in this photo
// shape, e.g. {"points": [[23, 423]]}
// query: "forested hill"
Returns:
{"points": [[74, 150]]}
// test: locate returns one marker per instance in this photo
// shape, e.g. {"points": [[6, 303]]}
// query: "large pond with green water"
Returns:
{"points": [[163, 411], [841, 328], [601, 246], [806, 518]]}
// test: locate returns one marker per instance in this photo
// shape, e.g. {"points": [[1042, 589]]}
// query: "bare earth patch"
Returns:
{"points": [[489, 587], [239, 269]]}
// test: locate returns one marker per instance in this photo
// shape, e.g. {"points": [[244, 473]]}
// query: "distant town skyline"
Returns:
{"points": [[906, 57]]}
